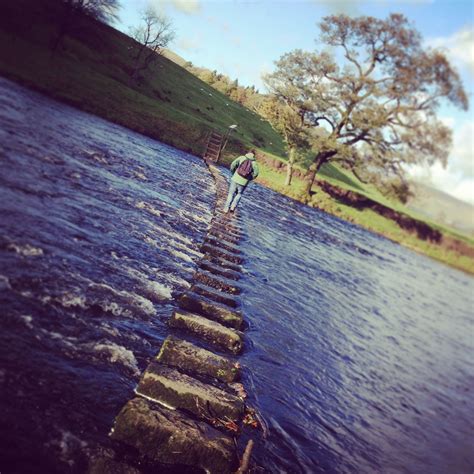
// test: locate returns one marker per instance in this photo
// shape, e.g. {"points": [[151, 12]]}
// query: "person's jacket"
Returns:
{"points": [[235, 164]]}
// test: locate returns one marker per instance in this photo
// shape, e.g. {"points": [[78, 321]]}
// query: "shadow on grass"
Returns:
{"points": [[349, 198], [332, 172]]}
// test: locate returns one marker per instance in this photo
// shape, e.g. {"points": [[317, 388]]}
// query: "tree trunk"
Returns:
{"points": [[289, 167], [313, 171]]}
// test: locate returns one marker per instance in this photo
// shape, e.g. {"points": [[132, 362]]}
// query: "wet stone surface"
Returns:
{"points": [[214, 294], [166, 436], [221, 253], [210, 331], [223, 236], [177, 390], [217, 270], [221, 244], [191, 359], [216, 312], [219, 283], [222, 262]]}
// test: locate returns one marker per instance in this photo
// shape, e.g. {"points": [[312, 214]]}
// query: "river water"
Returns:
{"points": [[359, 353]]}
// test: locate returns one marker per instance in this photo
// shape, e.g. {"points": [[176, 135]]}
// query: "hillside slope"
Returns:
{"points": [[443, 208], [91, 70]]}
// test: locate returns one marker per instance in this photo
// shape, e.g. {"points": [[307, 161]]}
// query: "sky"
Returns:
{"points": [[242, 39]]}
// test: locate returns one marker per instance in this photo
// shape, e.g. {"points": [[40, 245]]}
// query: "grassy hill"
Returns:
{"points": [[92, 68]]}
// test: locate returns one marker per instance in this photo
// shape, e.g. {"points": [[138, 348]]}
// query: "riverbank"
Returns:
{"points": [[91, 71], [439, 243]]}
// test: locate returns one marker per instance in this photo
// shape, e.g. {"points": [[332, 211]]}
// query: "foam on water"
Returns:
{"points": [[116, 354], [4, 283], [180, 255], [136, 301], [26, 250], [148, 207], [156, 290]]}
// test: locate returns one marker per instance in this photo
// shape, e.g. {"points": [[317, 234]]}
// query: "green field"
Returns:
{"points": [[91, 70]]}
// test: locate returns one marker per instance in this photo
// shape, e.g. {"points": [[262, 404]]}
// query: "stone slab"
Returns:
{"points": [[226, 230], [217, 312], [221, 253], [212, 332], [222, 262], [223, 236], [227, 273], [191, 359], [223, 245], [214, 294], [174, 389], [217, 282], [165, 436]]}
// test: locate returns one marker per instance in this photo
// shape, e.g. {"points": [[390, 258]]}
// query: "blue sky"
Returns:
{"points": [[242, 39]]}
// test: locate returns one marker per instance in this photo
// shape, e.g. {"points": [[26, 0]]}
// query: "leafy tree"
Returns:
{"points": [[153, 34], [385, 95], [290, 124]]}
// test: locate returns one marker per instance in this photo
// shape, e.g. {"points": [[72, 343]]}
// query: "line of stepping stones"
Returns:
{"points": [[189, 405]]}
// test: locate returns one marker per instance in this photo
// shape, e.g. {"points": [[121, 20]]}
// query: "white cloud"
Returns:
{"points": [[459, 47], [457, 178], [353, 7], [187, 6]]}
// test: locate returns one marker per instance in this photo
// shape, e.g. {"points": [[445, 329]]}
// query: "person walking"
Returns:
{"points": [[244, 169]]}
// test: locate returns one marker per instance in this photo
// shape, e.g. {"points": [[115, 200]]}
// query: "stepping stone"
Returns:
{"points": [[210, 309], [214, 295], [212, 332], [221, 262], [165, 436], [221, 253], [230, 236], [223, 237], [221, 244], [218, 270], [229, 228], [192, 359], [226, 229], [221, 284], [173, 389]]}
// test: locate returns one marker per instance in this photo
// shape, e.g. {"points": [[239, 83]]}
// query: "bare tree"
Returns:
{"points": [[153, 34], [384, 97]]}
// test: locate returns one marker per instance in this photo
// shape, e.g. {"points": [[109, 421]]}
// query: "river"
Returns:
{"points": [[359, 352]]}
